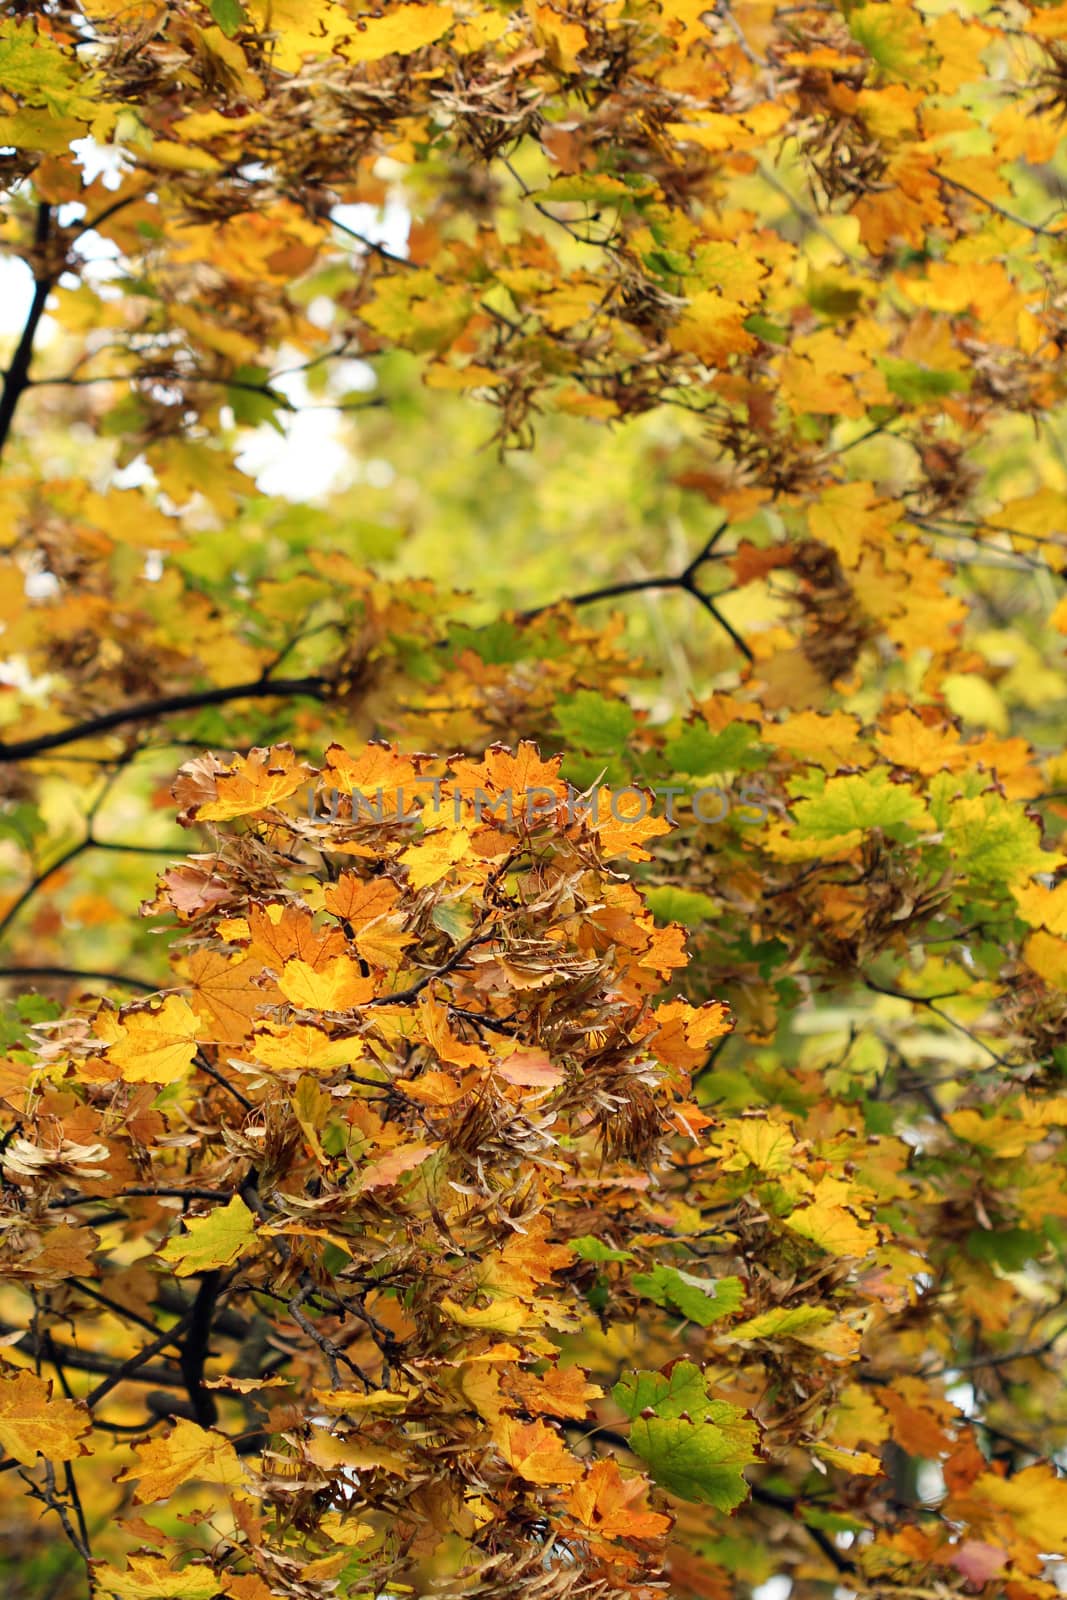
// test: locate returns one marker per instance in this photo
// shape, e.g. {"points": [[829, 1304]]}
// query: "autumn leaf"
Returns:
{"points": [[614, 1506], [211, 792], [389, 1169], [148, 1577], [338, 985], [212, 1241], [34, 1422], [699, 1300], [156, 1045], [186, 1454], [1035, 1500], [402, 30], [536, 1452], [829, 1221], [224, 995]]}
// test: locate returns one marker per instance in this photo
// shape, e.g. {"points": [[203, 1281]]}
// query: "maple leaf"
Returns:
{"points": [[454, 1048], [401, 31], [536, 1452], [1036, 1501], [33, 1422], [829, 1222], [223, 994], [212, 1241], [208, 791], [368, 906], [148, 1577], [156, 1045], [338, 985], [699, 1300], [614, 1506], [433, 859], [389, 1169], [693, 1445], [843, 807], [561, 1392], [187, 1453]]}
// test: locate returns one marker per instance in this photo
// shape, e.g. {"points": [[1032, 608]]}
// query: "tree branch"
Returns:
{"points": [[195, 1350], [17, 377], [120, 979], [313, 687]]}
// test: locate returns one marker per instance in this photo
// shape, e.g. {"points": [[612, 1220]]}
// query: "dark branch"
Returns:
{"points": [[120, 979], [17, 377], [312, 687], [195, 1350]]}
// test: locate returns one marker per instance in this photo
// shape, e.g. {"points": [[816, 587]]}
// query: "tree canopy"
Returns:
{"points": [[534, 920]]}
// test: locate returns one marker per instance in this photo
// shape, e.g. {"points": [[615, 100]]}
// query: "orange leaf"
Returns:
{"points": [[536, 1452]]}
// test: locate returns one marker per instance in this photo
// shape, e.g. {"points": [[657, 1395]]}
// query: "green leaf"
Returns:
{"points": [[856, 801], [597, 188], [698, 1461], [595, 723], [1007, 1248], [229, 15], [994, 842], [452, 918], [212, 1241], [252, 400], [499, 644], [765, 329], [589, 1249], [667, 1394], [783, 1322], [833, 299], [915, 384], [41, 73], [687, 906], [698, 752], [694, 1446], [830, 1521], [700, 1300]]}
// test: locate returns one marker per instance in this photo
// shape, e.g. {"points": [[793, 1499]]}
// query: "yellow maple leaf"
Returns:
{"points": [[909, 741], [712, 328], [398, 32], [766, 1143], [1035, 1500], [33, 1423], [860, 1461], [155, 1045], [187, 1454], [829, 739], [148, 1577], [829, 1222], [1047, 955], [1041, 907], [432, 859], [301, 28], [302, 1048], [849, 518], [502, 1316], [338, 985]]}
